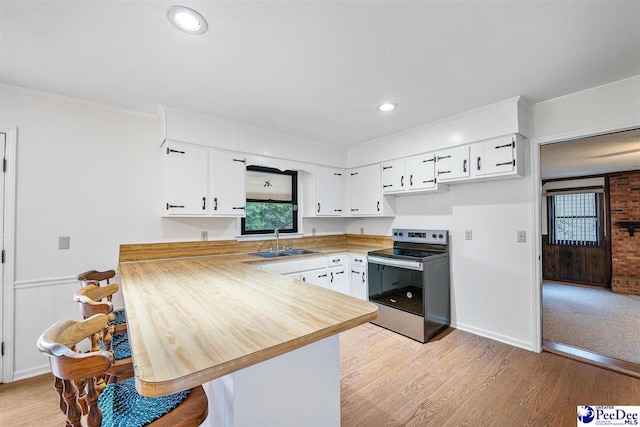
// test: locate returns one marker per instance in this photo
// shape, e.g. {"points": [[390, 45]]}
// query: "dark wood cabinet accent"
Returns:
{"points": [[590, 265]]}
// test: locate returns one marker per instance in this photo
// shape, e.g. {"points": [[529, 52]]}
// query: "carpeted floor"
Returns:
{"points": [[593, 319]]}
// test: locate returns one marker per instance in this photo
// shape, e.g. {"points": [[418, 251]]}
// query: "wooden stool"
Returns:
{"points": [[77, 374], [93, 300], [96, 277]]}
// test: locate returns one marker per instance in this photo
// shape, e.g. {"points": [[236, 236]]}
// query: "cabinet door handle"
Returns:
{"points": [[443, 172], [443, 157], [411, 180], [337, 210], [323, 275], [318, 207], [378, 206], [238, 207], [204, 203], [174, 206], [170, 150], [354, 173], [387, 185], [386, 167], [240, 160], [215, 203], [332, 277], [464, 165], [478, 163], [354, 210], [363, 277], [337, 174], [402, 181]]}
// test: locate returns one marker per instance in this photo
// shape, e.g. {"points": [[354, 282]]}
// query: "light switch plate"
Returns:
{"points": [[63, 242], [468, 235], [522, 236]]}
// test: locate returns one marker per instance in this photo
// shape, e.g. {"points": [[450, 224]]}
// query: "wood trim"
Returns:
{"points": [[606, 362]]}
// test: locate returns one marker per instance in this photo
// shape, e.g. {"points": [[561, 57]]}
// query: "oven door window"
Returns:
{"points": [[396, 287]]}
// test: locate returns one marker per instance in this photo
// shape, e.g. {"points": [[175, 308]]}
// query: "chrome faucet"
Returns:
{"points": [[276, 233]]}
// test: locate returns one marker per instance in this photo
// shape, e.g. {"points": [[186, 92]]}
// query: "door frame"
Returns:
{"points": [[534, 147], [7, 281]]}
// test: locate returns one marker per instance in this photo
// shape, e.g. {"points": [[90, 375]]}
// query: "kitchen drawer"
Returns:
{"points": [[337, 260], [286, 267]]}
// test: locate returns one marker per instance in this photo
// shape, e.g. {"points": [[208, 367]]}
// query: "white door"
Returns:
{"points": [[318, 277], [421, 171], [494, 156], [393, 176], [186, 179], [329, 183], [338, 280], [366, 191], [452, 163], [228, 189]]}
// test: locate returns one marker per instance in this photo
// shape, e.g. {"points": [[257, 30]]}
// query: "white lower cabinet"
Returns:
{"points": [[319, 277], [358, 277], [345, 273]]}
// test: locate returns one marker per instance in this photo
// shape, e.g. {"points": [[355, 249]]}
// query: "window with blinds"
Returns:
{"points": [[575, 219]]}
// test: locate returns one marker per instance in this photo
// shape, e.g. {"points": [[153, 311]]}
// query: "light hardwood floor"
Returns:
{"points": [[389, 380]]}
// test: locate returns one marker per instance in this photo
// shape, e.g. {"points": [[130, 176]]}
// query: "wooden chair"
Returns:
{"points": [[119, 404], [93, 299], [96, 277]]}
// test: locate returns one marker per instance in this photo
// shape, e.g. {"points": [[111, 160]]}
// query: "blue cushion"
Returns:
{"points": [[121, 317], [122, 406], [120, 346]]}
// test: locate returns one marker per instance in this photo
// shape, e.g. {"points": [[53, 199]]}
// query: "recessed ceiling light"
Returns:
{"points": [[388, 106], [187, 20]]}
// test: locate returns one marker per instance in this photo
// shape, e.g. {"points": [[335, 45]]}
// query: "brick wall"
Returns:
{"points": [[624, 192]]}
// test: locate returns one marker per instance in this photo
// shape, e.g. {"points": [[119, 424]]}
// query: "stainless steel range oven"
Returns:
{"points": [[410, 283]]}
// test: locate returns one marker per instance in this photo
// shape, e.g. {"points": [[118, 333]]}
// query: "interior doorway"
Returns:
{"points": [[579, 319]]}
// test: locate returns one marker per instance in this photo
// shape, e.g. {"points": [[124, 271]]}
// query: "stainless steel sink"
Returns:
{"points": [[278, 254]]}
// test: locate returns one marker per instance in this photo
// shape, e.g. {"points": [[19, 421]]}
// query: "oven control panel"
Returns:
{"points": [[438, 237]]}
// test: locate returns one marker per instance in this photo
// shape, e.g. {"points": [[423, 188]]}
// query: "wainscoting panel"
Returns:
{"points": [[38, 305], [589, 265]]}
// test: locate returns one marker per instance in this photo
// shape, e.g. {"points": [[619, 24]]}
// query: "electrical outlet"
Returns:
{"points": [[63, 242], [522, 236], [361, 230], [204, 235], [468, 235], [313, 231]]}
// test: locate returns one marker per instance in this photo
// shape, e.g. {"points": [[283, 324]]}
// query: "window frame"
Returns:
{"points": [[293, 202], [599, 217]]}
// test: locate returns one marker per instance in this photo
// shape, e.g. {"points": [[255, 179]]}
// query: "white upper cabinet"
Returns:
{"points": [[186, 176], [324, 192], [452, 164], [393, 176], [200, 181], [501, 156], [365, 188], [227, 185]]}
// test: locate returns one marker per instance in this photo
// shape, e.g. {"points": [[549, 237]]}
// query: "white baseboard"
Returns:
{"points": [[496, 337], [31, 372]]}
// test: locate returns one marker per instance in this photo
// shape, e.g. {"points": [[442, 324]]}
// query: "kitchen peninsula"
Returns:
{"points": [[263, 345]]}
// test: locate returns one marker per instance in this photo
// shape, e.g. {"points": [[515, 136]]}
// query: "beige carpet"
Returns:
{"points": [[593, 319]]}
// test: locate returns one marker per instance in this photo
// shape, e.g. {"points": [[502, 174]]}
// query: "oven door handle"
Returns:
{"points": [[411, 265]]}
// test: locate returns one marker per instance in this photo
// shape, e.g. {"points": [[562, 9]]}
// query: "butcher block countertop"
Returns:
{"points": [[191, 320]]}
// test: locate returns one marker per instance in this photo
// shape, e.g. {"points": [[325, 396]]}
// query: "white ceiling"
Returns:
{"points": [[615, 152], [319, 69]]}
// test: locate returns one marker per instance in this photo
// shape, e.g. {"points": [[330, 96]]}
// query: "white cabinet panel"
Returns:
{"points": [[498, 156], [393, 176], [358, 278], [318, 277], [365, 187], [227, 185], [185, 179], [328, 190], [200, 181], [452, 163], [339, 280]]}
